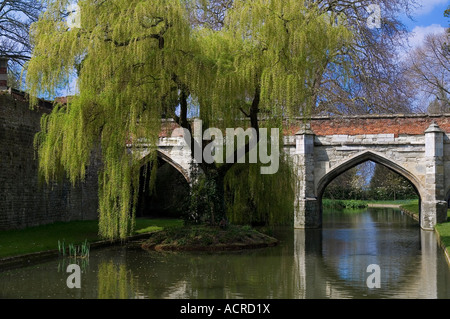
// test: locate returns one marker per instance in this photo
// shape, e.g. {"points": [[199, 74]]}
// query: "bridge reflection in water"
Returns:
{"points": [[411, 263]]}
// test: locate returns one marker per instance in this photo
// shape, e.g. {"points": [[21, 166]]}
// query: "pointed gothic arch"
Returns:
{"points": [[361, 158]]}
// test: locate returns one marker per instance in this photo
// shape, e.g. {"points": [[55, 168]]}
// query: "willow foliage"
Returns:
{"points": [[133, 57], [260, 199]]}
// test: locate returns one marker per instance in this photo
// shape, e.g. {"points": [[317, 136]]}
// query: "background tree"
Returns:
{"points": [[342, 187], [388, 185], [374, 82], [209, 13], [353, 184], [428, 70], [16, 17], [370, 181], [447, 14]]}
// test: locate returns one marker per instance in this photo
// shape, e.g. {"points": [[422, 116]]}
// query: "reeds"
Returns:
{"points": [[74, 251]]}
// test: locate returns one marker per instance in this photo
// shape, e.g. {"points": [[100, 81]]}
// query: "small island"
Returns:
{"points": [[207, 238]]}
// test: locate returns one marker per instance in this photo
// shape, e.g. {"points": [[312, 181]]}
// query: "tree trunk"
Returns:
{"points": [[214, 195]]}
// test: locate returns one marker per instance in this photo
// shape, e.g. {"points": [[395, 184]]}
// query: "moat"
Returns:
{"points": [[330, 262]]}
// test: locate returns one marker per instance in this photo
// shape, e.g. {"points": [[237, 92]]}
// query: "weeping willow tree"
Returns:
{"points": [[140, 60]]}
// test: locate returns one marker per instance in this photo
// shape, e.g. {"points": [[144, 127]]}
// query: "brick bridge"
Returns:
{"points": [[415, 146]]}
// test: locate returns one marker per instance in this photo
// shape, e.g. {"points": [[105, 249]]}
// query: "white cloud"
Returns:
{"points": [[419, 33], [426, 6], [416, 38]]}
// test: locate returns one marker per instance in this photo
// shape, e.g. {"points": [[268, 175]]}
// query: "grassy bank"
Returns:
{"points": [[444, 233], [412, 207], [443, 229], [42, 238]]}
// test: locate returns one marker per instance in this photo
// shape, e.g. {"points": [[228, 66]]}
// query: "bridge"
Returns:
{"points": [[415, 146]]}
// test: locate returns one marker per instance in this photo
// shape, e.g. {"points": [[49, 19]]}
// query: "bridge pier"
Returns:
{"points": [[434, 205], [307, 207]]}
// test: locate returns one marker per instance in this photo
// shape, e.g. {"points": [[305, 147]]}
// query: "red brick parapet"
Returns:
{"points": [[400, 124], [397, 124]]}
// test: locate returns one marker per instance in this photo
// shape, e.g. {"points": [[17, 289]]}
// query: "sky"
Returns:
{"points": [[428, 18]]}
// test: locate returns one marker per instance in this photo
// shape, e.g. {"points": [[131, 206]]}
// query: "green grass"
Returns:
{"points": [[443, 229], [412, 207], [42, 238], [146, 225], [444, 232]]}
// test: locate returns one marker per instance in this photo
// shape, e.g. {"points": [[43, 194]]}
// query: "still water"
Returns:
{"points": [[326, 263]]}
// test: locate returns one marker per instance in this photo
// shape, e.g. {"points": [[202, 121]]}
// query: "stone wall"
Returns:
{"points": [[24, 201]]}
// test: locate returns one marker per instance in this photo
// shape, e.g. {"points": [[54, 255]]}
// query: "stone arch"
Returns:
{"points": [[166, 158], [171, 186], [361, 158]]}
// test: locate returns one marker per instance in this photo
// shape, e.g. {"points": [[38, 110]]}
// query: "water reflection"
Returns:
{"points": [[115, 281], [322, 263], [380, 237], [407, 256]]}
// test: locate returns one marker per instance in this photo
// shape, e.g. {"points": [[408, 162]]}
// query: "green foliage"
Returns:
{"points": [[350, 185], [205, 203], [255, 199], [388, 185], [13, 80], [136, 58]]}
